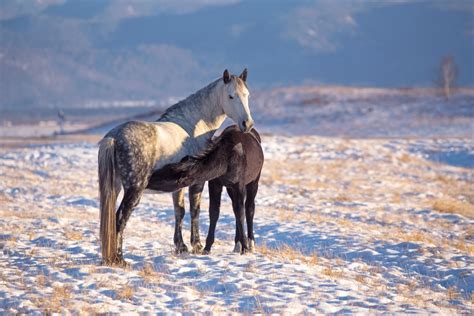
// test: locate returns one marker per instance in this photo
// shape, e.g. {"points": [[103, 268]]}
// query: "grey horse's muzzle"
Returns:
{"points": [[246, 126]]}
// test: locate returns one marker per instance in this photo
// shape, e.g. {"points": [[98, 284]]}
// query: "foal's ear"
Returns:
{"points": [[243, 75], [226, 76]]}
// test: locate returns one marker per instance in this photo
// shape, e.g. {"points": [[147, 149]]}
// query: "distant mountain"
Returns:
{"points": [[60, 52], [39, 72]]}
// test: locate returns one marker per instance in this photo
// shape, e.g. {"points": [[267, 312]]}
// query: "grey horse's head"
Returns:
{"points": [[235, 100]]}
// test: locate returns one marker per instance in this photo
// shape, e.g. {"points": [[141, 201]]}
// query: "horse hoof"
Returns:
{"points": [[245, 251], [206, 251], [181, 249], [197, 248], [122, 264], [119, 262], [251, 246], [238, 247]]}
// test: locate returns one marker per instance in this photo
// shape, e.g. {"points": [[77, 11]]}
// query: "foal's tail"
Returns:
{"points": [[108, 198]]}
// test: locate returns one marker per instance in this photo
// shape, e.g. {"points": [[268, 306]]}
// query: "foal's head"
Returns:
{"points": [[236, 100]]}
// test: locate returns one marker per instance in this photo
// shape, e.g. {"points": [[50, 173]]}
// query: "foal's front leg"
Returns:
{"points": [[195, 192], [215, 191], [238, 196]]}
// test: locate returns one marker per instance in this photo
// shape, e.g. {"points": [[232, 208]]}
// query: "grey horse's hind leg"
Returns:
{"points": [[195, 192], [178, 203], [130, 200]]}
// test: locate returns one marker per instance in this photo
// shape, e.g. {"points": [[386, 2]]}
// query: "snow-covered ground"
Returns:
{"points": [[342, 225]]}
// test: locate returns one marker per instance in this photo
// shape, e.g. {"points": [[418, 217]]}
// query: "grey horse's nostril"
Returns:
{"points": [[244, 124]]}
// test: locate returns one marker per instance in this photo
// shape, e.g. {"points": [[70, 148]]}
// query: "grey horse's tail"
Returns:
{"points": [[108, 198]]}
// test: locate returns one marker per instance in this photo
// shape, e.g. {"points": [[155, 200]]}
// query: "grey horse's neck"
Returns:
{"points": [[200, 114]]}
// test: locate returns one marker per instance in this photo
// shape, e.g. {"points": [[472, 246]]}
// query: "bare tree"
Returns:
{"points": [[448, 75]]}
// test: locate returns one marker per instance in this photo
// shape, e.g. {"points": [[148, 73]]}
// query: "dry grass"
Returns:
{"points": [[22, 214], [452, 206], [31, 235], [375, 269], [125, 293], [285, 215], [41, 280], [332, 273], [452, 293], [405, 158], [4, 199], [396, 197], [293, 172], [361, 279], [286, 252], [73, 234], [417, 236], [455, 188], [89, 310], [32, 252], [149, 274], [342, 198], [464, 246], [57, 302]]}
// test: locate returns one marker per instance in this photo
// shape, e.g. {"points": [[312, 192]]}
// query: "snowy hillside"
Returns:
{"points": [[325, 111]]}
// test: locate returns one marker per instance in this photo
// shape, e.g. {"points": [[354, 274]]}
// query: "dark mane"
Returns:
{"points": [[188, 161], [212, 144]]}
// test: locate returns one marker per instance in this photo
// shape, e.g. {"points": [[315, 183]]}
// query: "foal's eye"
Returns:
{"points": [[230, 97]]}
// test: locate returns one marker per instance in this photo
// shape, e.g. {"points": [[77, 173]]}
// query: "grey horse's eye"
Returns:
{"points": [[230, 97]]}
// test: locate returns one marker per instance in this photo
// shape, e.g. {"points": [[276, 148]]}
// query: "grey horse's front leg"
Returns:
{"points": [[178, 203], [195, 192]]}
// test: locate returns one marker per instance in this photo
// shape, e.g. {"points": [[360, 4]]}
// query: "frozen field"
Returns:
{"points": [[342, 224]]}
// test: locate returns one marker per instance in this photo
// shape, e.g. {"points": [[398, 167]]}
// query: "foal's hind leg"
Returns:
{"points": [[195, 205], [130, 200], [178, 203], [252, 189]]}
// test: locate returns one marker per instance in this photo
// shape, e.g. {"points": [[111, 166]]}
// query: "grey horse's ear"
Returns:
{"points": [[226, 76], [243, 75]]}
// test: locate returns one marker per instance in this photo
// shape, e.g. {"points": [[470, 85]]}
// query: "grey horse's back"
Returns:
{"points": [[135, 150]]}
